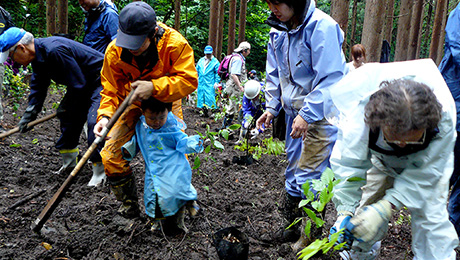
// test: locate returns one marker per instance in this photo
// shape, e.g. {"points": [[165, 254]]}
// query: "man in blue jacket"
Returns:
{"points": [[101, 23], [450, 70], [68, 63], [207, 68]]}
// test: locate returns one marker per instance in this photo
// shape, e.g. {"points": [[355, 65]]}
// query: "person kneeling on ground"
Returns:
{"points": [[168, 175], [396, 139], [253, 107]]}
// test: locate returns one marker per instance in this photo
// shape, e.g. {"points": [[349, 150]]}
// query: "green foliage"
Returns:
{"points": [[324, 187], [14, 85], [210, 137], [268, 146]]}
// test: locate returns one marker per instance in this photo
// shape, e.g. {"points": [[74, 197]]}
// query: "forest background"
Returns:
{"points": [[413, 28]]}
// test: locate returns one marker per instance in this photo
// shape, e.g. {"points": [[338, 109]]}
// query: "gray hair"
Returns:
{"points": [[25, 40], [403, 105]]}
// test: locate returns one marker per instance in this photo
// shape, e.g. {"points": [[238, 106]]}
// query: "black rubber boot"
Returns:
{"points": [[126, 192], [290, 211]]}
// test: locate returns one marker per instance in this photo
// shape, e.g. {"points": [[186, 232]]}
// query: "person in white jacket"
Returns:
{"points": [[396, 137]]}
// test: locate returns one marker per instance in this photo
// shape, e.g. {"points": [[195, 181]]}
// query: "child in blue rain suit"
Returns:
{"points": [[168, 175]]}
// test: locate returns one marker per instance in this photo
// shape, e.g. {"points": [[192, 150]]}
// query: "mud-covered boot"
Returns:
{"points": [[98, 174], [126, 192], [69, 160], [193, 208], [175, 225], [290, 211], [315, 232]]}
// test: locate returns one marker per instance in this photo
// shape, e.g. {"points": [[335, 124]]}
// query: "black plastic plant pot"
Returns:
{"points": [[231, 244], [243, 160]]}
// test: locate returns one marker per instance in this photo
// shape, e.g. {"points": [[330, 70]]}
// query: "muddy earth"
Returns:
{"points": [[85, 225]]}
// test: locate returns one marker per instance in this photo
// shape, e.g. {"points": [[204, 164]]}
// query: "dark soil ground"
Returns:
{"points": [[85, 225]]}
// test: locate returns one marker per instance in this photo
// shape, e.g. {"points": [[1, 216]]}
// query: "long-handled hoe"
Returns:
{"points": [[56, 199]]}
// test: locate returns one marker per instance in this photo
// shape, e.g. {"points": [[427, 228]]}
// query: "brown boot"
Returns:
{"points": [[307, 239], [126, 192]]}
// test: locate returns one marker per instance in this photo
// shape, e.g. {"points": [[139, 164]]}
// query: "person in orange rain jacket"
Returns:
{"points": [[151, 59]]}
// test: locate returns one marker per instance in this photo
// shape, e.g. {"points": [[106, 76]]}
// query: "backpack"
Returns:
{"points": [[224, 64], [5, 20]]}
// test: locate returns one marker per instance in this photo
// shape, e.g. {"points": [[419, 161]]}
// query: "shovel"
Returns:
{"points": [[56, 199], [33, 123]]}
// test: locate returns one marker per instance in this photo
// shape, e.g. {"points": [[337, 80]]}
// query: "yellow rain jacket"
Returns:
{"points": [[174, 76]]}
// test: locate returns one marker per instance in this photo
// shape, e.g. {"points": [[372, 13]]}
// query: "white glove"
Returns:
{"points": [[343, 217], [254, 133], [371, 221]]}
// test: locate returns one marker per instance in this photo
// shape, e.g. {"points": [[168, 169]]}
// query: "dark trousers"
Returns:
{"points": [[454, 199]]}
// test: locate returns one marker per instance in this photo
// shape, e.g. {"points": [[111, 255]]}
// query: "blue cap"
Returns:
{"points": [[208, 49], [8, 39], [253, 71]]}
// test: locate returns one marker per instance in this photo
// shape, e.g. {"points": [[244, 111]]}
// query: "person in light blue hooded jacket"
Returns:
{"points": [[207, 68], [394, 149], [168, 176], [450, 70], [304, 58]]}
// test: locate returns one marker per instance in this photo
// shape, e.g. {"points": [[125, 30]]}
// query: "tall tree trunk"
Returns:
{"points": [[404, 22], [220, 31], [389, 15], [339, 11], [213, 18], [231, 26], [41, 10], [63, 20], [429, 14], [50, 17], [242, 21], [414, 36], [372, 30], [353, 25], [177, 4], [438, 26], [443, 34]]}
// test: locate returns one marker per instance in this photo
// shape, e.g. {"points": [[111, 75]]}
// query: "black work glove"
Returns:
{"points": [[28, 116]]}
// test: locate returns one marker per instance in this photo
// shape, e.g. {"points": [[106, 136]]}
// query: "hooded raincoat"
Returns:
{"points": [[172, 73], [302, 63], [450, 70], [207, 78], [168, 174], [420, 179]]}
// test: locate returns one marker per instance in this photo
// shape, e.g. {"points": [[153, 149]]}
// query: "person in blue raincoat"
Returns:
{"points": [[252, 108], [101, 23], [450, 70], [168, 175], [304, 58], [207, 68]]}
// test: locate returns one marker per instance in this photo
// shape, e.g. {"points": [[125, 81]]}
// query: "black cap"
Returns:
{"points": [[136, 21]]}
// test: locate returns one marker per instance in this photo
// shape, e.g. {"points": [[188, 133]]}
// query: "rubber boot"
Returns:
{"points": [[174, 225], [98, 174], [126, 192], [290, 211], [193, 208], [69, 160], [315, 232]]}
